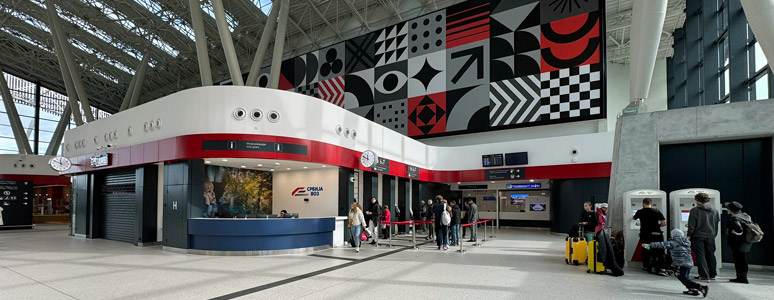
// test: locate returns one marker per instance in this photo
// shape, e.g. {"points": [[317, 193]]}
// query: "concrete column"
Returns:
{"points": [[227, 43], [22, 142], [140, 78], [69, 87], [71, 65], [279, 45], [760, 16], [61, 126], [268, 28], [201, 42]]}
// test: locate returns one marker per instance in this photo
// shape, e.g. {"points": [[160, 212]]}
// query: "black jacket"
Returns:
{"points": [[736, 233], [456, 215], [438, 212], [606, 253], [376, 210], [591, 221]]}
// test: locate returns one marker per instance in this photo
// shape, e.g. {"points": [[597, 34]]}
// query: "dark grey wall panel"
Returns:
{"points": [[567, 198]]}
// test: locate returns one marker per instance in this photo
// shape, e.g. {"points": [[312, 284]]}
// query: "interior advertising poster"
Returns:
{"points": [[15, 204], [230, 192]]}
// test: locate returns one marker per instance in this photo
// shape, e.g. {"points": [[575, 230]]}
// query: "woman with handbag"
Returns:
{"points": [[356, 222]]}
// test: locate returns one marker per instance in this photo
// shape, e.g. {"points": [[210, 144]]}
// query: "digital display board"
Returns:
{"points": [[524, 186], [99, 160], [516, 159], [492, 160]]}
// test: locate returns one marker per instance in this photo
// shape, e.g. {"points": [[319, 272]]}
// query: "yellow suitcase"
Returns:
{"points": [[575, 250], [594, 265]]}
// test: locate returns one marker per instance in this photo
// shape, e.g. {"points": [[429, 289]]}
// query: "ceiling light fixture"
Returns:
{"points": [[225, 159], [306, 167], [276, 164], [260, 165], [288, 168], [244, 167], [271, 170], [207, 162], [532, 180]]}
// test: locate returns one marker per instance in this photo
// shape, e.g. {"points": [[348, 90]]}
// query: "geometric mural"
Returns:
{"points": [[478, 65]]}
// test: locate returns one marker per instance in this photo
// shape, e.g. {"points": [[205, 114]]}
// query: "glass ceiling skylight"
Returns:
{"points": [[264, 5], [26, 18], [26, 38], [168, 16]]}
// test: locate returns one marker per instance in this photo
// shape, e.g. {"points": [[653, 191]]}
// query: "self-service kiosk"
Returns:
{"points": [[632, 203], [682, 201]]}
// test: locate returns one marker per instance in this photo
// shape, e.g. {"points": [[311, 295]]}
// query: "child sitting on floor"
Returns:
{"points": [[680, 247]]}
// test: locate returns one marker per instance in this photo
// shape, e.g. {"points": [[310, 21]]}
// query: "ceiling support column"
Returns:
{"points": [[647, 24], [22, 142], [228, 44], [68, 81], [201, 42], [140, 74], [71, 65], [279, 45], [61, 126], [759, 14], [268, 28]]}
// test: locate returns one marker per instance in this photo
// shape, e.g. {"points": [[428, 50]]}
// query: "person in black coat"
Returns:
{"points": [[739, 246], [373, 214], [456, 221]]}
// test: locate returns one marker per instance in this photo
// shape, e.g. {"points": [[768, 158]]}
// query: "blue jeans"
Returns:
{"points": [[442, 235], [356, 230], [455, 232], [684, 276]]}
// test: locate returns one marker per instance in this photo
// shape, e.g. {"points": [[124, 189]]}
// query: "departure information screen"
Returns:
{"points": [[492, 160]]}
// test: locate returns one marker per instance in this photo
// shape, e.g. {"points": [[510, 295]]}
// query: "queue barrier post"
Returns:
{"points": [[476, 243], [485, 236], [414, 234], [459, 232]]}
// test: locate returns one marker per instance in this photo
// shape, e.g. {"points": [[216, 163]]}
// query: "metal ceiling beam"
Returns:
{"points": [[322, 17], [227, 43], [19, 136], [255, 68], [279, 44], [356, 13]]}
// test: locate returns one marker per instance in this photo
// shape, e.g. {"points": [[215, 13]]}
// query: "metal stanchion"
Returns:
{"points": [[476, 243], [485, 236], [459, 231], [414, 234], [389, 232]]}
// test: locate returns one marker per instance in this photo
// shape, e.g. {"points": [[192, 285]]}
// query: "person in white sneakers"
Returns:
{"points": [[356, 222]]}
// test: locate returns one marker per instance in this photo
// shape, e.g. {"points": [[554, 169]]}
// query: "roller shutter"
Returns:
{"points": [[118, 209]]}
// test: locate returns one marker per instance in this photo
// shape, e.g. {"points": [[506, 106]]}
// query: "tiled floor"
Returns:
{"points": [[46, 263]]}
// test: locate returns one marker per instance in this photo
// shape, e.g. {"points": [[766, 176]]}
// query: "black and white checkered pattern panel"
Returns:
{"points": [[571, 93], [309, 90]]}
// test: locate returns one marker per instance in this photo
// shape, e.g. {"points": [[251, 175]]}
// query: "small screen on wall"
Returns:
{"points": [[230, 192], [516, 159], [492, 160]]}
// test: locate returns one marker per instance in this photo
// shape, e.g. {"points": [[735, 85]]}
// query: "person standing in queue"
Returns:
{"points": [[373, 214], [703, 223], [456, 222], [472, 218], [588, 221], [736, 240], [431, 218], [651, 221], [442, 231], [422, 214], [356, 223], [601, 218], [386, 230]]}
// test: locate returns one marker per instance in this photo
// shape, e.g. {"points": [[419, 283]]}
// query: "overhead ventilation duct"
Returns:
{"points": [[647, 24], [760, 16]]}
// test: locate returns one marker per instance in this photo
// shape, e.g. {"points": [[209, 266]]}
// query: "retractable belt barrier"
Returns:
{"points": [[414, 223]]}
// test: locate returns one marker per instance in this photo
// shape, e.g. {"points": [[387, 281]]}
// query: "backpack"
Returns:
{"points": [[752, 232], [445, 217]]}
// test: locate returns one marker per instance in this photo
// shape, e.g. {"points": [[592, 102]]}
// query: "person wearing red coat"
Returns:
{"points": [[601, 218], [386, 219]]}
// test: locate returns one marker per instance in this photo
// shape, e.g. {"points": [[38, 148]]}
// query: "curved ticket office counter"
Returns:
{"points": [[258, 236]]}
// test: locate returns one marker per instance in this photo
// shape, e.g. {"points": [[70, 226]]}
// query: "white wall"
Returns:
{"points": [[618, 90], [324, 205], [33, 165]]}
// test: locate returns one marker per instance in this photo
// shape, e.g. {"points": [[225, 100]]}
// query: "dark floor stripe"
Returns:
{"points": [[333, 257], [305, 276]]}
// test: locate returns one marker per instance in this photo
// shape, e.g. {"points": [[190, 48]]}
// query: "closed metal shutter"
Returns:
{"points": [[118, 208]]}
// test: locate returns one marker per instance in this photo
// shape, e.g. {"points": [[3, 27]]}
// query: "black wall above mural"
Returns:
{"points": [[479, 65]]}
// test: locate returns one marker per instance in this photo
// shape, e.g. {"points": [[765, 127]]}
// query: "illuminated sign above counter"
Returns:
{"points": [[99, 160], [504, 174], [382, 165], [255, 146], [412, 172]]}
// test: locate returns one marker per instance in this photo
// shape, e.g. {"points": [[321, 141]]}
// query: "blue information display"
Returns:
{"points": [[524, 186]]}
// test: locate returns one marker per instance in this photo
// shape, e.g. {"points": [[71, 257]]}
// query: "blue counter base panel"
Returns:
{"points": [[259, 234]]}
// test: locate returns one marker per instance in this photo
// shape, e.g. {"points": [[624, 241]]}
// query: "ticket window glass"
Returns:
{"points": [[525, 205]]}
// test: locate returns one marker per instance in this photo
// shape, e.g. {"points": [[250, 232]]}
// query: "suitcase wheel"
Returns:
{"points": [[588, 271], [566, 261], [575, 262]]}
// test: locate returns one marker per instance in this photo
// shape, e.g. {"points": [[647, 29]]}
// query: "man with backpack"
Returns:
{"points": [[442, 221], [742, 233]]}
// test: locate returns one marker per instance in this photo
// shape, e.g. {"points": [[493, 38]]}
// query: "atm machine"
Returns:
{"points": [[632, 203], [682, 201]]}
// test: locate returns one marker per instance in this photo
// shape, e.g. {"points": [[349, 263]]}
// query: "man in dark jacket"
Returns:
{"points": [[739, 246], [472, 217], [422, 214], [430, 217], [441, 231], [456, 221], [702, 230], [373, 214]]}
